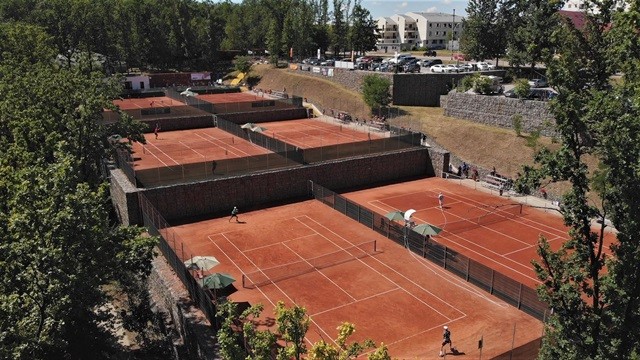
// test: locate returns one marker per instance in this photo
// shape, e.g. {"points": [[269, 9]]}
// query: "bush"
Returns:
{"points": [[467, 82], [483, 85], [517, 124], [522, 88]]}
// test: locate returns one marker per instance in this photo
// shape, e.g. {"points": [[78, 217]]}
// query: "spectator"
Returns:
{"points": [[493, 171], [474, 174], [543, 191]]}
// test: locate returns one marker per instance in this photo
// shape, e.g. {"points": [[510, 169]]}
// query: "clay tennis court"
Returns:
{"points": [[506, 241], [310, 133], [389, 293], [229, 97], [146, 103], [191, 146]]}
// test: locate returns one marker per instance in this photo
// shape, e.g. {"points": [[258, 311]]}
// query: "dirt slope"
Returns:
{"points": [[483, 145]]}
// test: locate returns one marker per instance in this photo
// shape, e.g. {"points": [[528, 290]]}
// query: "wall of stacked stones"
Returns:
{"points": [[252, 191], [500, 111]]}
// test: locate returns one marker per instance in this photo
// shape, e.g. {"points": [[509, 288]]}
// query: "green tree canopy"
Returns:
{"points": [[592, 290], [375, 90]]}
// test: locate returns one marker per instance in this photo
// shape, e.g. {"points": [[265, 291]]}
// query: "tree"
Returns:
{"points": [[375, 90], [363, 31], [344, 350], [522, 88], [483, 36], [339, 28], [242, 64], [529, 40], [595, 296], [59, 246], [293, 324]]}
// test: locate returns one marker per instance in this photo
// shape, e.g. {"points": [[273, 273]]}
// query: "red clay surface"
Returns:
{"points": [[191, 146], [147, 103], [507, 246], [310, 133], [229, 98], [392, 296]]}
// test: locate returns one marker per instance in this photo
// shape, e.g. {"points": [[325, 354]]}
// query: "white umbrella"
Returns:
{"points": [[188, 92], [248, 126], [408, 214], [203, 263]]}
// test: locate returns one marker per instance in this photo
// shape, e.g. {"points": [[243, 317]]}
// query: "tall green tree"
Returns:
{"points": [[363, 30], [483, 36], [594, 293], [340, 27], [530, 25], [59, 245]]}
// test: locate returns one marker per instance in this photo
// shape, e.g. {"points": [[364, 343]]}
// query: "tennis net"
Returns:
{"points": [[496, 214], [290, 270]]}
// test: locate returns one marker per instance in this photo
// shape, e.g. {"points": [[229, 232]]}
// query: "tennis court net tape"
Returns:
{"points": [[281, 272], [498, 214]]}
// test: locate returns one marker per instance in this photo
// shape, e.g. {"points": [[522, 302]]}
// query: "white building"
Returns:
{"points": [[574, 5], [430, 30], [136, 82]]}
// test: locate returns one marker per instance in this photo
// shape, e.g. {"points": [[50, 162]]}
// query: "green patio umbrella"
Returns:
{"points": [[427, 229], [395, 215], [218, 281]]}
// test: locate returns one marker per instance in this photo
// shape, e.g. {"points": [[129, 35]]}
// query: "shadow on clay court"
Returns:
{"points": [[454, 352]]}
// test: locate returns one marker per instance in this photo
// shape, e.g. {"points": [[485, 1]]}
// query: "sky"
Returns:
{"points": [[379, 8]]}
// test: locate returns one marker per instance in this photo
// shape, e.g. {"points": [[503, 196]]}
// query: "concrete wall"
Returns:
{"points": [[422, 89], [255, 190], [251, 191], [499, 111], [425, 89], [124, 196]]}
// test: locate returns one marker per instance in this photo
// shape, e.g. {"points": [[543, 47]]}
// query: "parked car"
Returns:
{"points": [[406, 60], [429, 53], [438, 68], [538, 83], [430, 62], [465, 67], [328, 62], [534, 94], [485, 66], [411, 67], [451, 68]]}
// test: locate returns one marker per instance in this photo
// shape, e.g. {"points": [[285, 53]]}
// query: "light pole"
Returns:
{"points": [[453, 27]]}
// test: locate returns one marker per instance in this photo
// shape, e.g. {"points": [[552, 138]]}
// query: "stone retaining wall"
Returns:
{"points": [[500, 111]]}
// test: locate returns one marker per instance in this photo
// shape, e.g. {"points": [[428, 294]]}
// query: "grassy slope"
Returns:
{"points": [[483, 145]]}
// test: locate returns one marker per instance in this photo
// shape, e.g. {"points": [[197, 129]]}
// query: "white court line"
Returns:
{"points": [[524, 221], [280, 242], [532, 246], [224, 145], [165, 154], [192, 149], [321, 273], [284, 293], [388, 267], [464, 285]]}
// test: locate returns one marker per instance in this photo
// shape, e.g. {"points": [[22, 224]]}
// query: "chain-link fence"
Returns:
{"points": [[176, 252], [494, 282]]}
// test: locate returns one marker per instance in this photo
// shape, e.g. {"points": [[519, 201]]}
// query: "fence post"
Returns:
{"points": [[493, 274], [520, 296], [467, 274], [444, 258]]}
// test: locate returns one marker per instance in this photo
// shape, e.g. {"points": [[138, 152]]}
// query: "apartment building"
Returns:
{"points": [[418, 29]]}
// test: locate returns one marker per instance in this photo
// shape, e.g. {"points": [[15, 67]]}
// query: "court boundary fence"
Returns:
{"points": [[511, 291], [281, 148], [171, 245]]}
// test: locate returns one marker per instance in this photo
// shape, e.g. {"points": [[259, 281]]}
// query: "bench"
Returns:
{"points": [[497, 183]]}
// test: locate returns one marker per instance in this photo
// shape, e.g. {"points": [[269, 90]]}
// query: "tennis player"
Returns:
{"points": [[446, 339], [234, 214], [440, 199]]}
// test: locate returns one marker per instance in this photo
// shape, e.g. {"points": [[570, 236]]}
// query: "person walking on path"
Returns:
{"points": [[446, 339], [441, 200], [234, 214], [155, 131]]}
